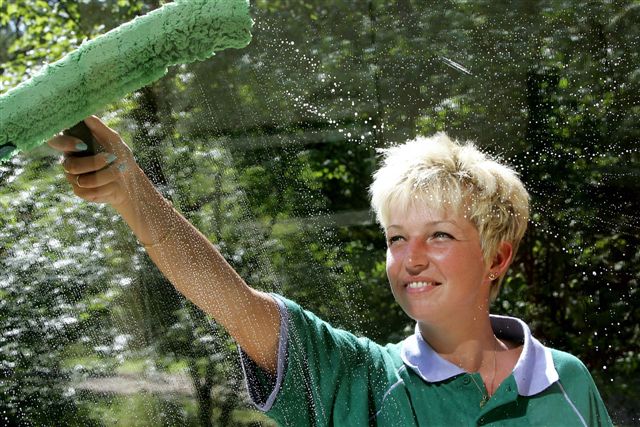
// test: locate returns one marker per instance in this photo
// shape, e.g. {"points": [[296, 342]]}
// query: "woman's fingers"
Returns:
{"points": [[110, 193], [83, 165], [95, 179], [103, 134], [101, 178], [103, 186], [66, 144]]}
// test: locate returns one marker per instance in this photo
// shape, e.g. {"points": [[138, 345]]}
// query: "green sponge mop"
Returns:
{"points": [[109, 67]]}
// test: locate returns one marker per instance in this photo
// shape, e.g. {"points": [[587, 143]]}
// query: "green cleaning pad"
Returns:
{"points": [[112, 65]]}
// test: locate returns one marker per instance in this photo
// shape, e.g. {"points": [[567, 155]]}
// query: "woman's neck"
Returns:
{"points": [[466, 341]]}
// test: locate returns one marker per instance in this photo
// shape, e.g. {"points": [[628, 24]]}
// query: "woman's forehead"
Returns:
{"points": [[425, 213]]}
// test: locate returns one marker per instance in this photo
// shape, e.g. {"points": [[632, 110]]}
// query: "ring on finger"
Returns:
{"points": [[78, 180]]}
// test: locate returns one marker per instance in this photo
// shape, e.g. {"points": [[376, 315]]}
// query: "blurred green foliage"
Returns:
{"points": [[269, 152]]}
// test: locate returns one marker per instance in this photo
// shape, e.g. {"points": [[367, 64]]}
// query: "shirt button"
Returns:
{"points": [[481, 422], [466, 380]]}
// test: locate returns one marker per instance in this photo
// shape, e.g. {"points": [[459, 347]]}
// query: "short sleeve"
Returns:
{"points": [[262, 385], [323, 373]]}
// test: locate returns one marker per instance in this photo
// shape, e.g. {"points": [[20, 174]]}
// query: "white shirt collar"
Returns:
{"points": [[533, 373]]}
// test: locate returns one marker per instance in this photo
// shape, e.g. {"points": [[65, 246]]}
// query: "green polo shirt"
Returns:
{"points": [[327, 376]]}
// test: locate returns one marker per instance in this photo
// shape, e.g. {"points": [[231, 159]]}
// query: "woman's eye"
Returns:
{"points": [[393, 239], [441, 235]]}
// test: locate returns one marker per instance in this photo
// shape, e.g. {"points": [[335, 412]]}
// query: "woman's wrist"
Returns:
{"points": [[147, 212]]}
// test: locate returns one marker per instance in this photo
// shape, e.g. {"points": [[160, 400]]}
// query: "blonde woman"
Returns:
{"points": [[453, 219]]}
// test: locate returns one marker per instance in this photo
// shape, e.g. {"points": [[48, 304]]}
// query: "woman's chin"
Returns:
{"points": [[424, 312]]}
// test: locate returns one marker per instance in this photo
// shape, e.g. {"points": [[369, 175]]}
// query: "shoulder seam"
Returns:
{"points": [[572, 405], [386, 393]]}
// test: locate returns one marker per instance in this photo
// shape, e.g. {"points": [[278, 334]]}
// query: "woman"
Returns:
{"points": [[453, 219]]}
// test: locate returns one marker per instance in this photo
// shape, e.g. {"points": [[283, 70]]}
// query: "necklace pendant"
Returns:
{"points": [[483, 401]]}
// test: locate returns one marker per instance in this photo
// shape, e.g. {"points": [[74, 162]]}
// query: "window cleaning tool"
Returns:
{"points": [[113, 65]]}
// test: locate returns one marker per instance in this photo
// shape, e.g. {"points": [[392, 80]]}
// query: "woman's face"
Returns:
{"points": [[435, 264]]}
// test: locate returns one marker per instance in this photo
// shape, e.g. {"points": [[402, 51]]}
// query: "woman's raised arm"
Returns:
{"points": [[186, 257]]}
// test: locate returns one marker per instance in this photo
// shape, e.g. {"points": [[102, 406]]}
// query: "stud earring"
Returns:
{"points": [[493, 276]]}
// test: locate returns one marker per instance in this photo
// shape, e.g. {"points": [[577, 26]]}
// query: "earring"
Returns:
{"points": [[493, 276]]}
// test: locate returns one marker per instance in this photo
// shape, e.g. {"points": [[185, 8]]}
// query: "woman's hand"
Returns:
{"points": [[103, 178]]}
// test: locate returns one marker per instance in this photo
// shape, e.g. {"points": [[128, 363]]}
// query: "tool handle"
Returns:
{"points": [[6, 150], [82, 132]]}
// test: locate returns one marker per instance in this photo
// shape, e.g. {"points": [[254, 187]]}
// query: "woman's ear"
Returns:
{"points": [[502, 259]]}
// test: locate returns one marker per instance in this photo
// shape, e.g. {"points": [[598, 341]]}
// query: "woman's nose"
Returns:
{"points": [[417, 258]]}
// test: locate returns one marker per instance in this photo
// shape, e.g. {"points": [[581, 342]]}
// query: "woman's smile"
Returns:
{"points": [[417, 287]]}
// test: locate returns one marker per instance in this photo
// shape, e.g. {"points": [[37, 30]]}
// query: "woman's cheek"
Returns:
{"points": [[391, 264]]}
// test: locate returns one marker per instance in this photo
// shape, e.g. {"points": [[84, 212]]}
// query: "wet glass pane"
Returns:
{"points": [[269, 150]]}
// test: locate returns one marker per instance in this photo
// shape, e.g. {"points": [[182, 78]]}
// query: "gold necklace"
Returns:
{"points": [[485, 396]]}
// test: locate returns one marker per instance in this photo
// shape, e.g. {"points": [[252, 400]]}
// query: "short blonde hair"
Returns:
{"points": [[439, 172]]}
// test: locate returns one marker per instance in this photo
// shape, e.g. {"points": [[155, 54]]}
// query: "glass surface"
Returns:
{"points": [[269, 152]]}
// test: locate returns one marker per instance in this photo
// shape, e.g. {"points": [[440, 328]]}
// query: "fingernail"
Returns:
{"points": [[81, 146], [111, 158]]}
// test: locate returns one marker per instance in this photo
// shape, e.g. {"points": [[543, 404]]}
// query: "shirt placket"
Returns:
{"points": [[506, 394]]}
